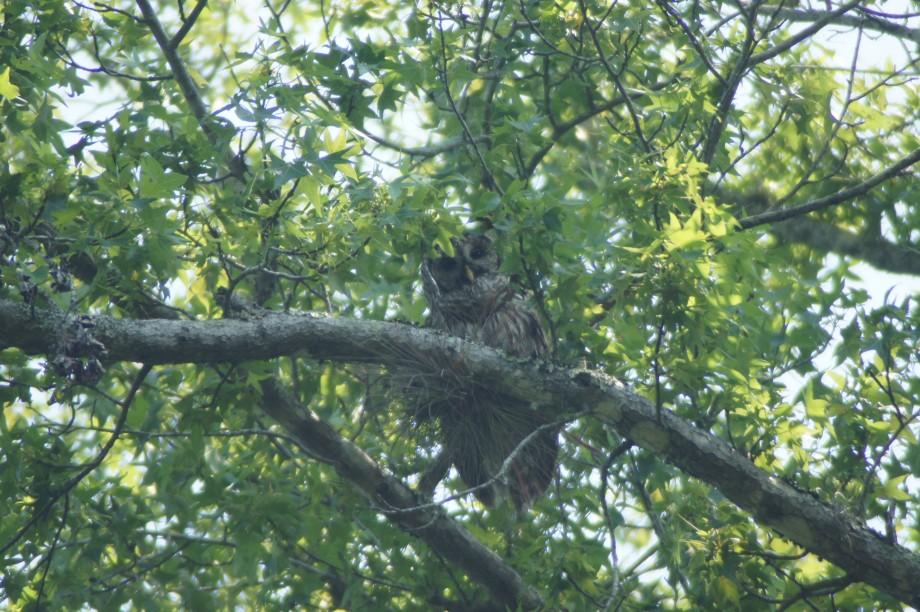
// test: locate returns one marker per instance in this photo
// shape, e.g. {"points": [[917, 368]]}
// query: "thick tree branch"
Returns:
{"points": [[834, 198], [824, 530]]}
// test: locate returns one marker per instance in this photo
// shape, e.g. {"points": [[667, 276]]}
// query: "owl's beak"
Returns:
{"points": [[468, 271]]}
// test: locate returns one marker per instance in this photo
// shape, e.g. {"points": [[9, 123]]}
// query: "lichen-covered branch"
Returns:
{"points": [[820, 528]]}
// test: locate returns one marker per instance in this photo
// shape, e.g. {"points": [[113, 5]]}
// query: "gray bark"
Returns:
{"points": [[820, 528]]}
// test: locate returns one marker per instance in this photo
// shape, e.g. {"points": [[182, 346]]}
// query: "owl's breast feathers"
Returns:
{"points": [[489, 311], [515, 330], [494, 315]]}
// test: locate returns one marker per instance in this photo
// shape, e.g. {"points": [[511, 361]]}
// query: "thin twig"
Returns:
{"points": [[442, 70], [803, 35], [187, 24], [89, 467]]}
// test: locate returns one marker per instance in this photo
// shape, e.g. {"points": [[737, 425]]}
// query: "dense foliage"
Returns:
{"points": [[683, 188]]}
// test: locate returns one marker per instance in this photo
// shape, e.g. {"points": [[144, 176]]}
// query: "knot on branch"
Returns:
{"points": [[77, 355]]}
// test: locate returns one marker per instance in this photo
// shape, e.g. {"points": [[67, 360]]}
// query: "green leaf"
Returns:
{"points": [[7, 89], [155, 182], [815, 408], [892, 489]]}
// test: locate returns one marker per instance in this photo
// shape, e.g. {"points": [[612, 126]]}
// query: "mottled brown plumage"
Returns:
{"points": [[468, 297]]}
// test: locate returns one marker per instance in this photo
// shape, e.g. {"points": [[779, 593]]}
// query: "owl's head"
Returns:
{"points": [[474, 258], [478, 255], [445, 273]]}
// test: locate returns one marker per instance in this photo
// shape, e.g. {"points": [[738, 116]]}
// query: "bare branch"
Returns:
{"points": [[875, 251], [864, 22], [672, 13], [834, 198], [442, 71], [804, 34], [564, 127], [732, 81], [183, 79], [615, 77], [68, 486], [423, 151], [187, 24]]}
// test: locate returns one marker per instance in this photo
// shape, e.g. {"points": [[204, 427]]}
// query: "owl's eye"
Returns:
{"points": [[447, 263], [477, 252]]}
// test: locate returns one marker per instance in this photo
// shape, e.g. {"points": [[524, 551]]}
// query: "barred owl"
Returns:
{"points": [[480, 428]]}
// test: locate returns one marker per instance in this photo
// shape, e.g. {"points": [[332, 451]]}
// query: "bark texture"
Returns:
{"points": [[820, 528]]}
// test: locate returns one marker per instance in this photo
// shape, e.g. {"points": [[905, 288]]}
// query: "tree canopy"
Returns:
{"points": [[212, 218]]}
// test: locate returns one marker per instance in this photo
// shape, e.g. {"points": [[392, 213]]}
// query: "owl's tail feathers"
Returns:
{"points": [[468, 446], [516, 468], [531, 473]]}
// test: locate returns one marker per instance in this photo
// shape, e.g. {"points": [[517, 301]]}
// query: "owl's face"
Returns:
{"points": [[446, 274], [478, 255], [473, 258]]}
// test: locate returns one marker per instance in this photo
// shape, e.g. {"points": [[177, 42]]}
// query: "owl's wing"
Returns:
{"points": [[514, 329]]}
